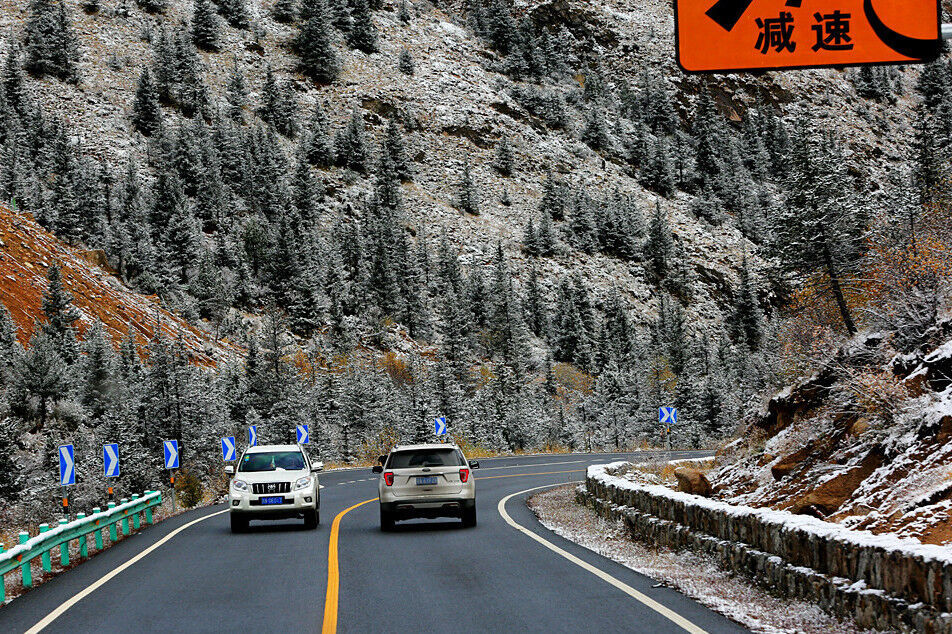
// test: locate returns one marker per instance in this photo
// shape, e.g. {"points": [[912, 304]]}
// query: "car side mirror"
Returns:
{"points": [[317, 466], [474, 464], [377, 468], [229, 469]]}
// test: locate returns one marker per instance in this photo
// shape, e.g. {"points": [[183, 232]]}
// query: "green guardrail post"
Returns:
{"points": [[64, 547], [125, 518], [3, 590], [45, 557], [148, 511], [112, 526], [135, 515], [98, 531], [25, 568], [83, 539]]}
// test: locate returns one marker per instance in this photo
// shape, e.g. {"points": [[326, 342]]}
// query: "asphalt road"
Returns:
{"points": [[427, 576]]}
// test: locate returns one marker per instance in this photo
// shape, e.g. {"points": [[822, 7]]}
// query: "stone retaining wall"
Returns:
{"points": [[878, 584]]}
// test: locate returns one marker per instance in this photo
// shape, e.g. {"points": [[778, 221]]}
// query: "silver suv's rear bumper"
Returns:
{"points": [[428, 507]]}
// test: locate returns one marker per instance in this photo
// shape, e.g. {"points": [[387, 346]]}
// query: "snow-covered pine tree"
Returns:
{"points": [[468, 198], [205, 25], [350, 148], [51, 46], [314, 43]]}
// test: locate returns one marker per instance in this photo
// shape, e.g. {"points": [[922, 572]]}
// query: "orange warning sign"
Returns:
{"points": [[733, 35]]}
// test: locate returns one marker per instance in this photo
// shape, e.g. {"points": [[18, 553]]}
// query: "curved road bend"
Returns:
{"points": [[427, 576]]}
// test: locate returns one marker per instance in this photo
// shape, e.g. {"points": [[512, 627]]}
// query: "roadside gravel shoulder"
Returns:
{"points": [[697, 576]]}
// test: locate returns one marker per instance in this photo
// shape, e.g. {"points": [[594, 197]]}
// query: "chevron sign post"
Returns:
{"points": [[171, 450], [303, 434], [668, 415], [228, 448], [110, 460], [253, 436], [439, 426]]}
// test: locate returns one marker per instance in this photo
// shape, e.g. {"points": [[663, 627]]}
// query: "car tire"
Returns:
{"points": [[312, 519], [469, 517], [386, 521], [238, 524]]}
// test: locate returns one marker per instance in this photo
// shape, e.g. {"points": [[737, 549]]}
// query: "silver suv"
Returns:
{"points": [[274, 482], [428, 481]]}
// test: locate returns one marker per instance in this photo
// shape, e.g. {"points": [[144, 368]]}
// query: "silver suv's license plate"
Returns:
{"points": [[425, 480], [278, 500]]}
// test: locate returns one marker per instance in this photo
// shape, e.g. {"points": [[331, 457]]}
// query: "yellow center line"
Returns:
{"points": [[333, 572], [333, 569]]}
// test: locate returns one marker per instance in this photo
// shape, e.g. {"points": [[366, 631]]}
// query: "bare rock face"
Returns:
{"points": [[786, 465], [691, 480], [829, 496]]}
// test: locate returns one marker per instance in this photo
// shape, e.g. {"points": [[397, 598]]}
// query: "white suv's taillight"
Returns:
{"points": [[463, 475], [388, 478]]}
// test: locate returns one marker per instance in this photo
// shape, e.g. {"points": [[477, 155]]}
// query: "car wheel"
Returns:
{"points": [[386, 520], [469, 517], [312, 519], [238, 524]]}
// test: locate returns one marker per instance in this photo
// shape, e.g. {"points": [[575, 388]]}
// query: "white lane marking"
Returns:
{"points": [[669, 614], [529, 466], [321, 486], [79, 596]]}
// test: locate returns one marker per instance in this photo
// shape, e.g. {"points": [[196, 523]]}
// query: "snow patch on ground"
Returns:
{"points": [[697, 576]]}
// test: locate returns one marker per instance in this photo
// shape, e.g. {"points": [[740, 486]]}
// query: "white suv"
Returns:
{"points": [[426, 481], [274, 482]]}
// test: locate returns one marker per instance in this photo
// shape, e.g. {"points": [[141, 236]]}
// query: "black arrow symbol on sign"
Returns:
{"points": [[728, 12], [913, 47]]}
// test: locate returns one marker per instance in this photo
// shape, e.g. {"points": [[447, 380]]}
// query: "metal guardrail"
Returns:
{"points": [[114, 518]]}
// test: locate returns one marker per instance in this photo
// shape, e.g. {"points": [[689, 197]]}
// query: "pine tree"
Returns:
{"points": [[11, 473], [403, 14], [237, 94], [595, 133], [285, 11], [536, 315], [41, 373], [51, 46], [235, 13], [363, 33], [153, 6], [98, 371], [468, 201], [205, 25], [318, 147], [746, 316], [146, 111], [504, 160], [395, 149], [278, 106], [546, 239], [314, 45], [659, 245], [14, 89], [350, 148], [405, 63], [60, 314], [821, 229]]}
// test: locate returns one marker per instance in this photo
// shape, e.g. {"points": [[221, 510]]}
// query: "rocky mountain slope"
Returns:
{"points": [[866, 442], [26, 253]]}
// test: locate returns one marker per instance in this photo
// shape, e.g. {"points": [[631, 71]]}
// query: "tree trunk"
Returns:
{"points": [[838, 290]]}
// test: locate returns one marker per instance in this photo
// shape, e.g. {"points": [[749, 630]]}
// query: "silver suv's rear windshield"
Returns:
{"points": [[425, 458], [272, 460]]}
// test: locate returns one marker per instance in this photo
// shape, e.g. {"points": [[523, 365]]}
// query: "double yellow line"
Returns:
{"points": [[331, 598]]}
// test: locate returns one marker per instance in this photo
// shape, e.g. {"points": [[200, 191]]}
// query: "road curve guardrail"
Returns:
{"points": [[115, 518]]}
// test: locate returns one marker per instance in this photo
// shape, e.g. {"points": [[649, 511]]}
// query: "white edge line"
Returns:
{"points": [[669, 614], [79, 596]]}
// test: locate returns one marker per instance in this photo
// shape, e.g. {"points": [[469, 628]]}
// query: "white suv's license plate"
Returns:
{"points": [[426, 480], [278, 500]]}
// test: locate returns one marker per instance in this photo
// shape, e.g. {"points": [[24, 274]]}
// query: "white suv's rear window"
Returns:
{"points": [[424, 458]]}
